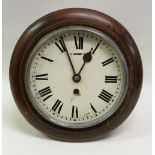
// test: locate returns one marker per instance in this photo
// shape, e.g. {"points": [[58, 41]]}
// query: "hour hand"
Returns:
{"points": [[86, 58]]}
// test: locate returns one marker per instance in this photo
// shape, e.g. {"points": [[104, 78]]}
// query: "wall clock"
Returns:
{"points": [[76, 74]]}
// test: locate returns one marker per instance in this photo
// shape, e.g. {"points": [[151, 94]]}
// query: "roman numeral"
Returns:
{"points": [[107, 62], [95, 48], [78, 42], [42, 77], [93, 108], [77, 53], [47, 59], [57, 106], [61, 45], [45, 92], [104, 95], [74, 112], [110, 79]]}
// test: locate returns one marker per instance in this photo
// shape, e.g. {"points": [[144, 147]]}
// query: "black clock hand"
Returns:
{"points": [[86, 58], [68, 56]]}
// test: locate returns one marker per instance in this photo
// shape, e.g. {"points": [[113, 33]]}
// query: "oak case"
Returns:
{"points": [[83, 17]]}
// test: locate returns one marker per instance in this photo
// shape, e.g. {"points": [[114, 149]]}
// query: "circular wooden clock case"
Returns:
{"points": [[76, 74]]}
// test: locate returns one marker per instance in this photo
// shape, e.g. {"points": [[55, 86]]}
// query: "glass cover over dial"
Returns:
{"points": [[76, 77]]}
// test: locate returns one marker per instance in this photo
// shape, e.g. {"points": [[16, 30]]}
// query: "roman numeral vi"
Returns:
{"points": [[74, 112]]}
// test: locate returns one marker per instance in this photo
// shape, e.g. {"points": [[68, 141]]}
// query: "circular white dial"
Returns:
{"points": [[76, 77]]}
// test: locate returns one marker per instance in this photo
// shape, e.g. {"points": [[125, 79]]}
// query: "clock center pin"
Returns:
{"points": [[76, 78]]}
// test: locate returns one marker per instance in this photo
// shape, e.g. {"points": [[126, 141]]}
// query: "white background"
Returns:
{"points": [[133, 136]]}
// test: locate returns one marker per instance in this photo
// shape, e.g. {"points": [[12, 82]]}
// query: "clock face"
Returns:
{"points": [[76, 77]]}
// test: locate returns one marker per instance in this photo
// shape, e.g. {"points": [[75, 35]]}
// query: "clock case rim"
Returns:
{"points": [[80, 17]]}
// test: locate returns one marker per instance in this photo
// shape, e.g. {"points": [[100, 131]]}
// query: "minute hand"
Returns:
{"points": [[68, 56]]}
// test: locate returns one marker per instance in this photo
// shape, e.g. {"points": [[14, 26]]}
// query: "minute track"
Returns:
{"points": [[69, 108]]}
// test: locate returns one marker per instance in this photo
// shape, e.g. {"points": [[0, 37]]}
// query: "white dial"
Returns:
{"points": [[76, 77]]}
